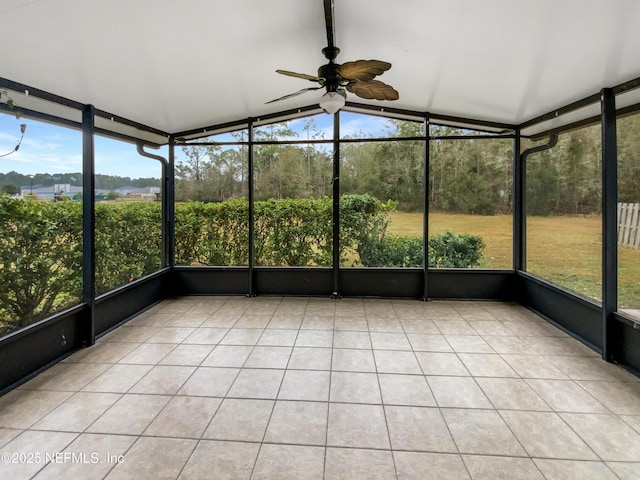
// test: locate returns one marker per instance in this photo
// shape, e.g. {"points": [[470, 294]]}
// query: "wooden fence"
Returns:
{"points": [[629, 224]]}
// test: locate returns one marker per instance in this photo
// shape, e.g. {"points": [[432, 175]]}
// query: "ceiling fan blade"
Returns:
{"points": [[373, 90], [363, 70], [294, 94], [311, 78]]}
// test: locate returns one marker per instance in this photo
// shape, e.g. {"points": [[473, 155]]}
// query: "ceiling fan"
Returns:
{"points": [[355, 77]]}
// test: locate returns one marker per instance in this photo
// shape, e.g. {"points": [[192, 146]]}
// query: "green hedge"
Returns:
{"points": [[41, 244]]}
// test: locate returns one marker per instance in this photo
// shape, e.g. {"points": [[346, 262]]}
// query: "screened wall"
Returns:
{"points": [[361, 203]]}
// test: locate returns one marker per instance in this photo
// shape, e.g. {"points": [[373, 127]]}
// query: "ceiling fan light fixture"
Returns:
{"points": [[331, 102]]}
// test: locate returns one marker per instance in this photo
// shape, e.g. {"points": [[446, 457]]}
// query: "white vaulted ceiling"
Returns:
{"points": [[180, 65]]}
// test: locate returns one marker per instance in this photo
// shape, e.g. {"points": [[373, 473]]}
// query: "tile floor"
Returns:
{"points": [[296, 388]]}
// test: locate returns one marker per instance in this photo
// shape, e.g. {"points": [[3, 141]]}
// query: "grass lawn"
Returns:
{"points": [[565, 250]]}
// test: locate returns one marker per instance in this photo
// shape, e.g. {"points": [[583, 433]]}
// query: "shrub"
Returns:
{"points": [[450, 250], [40, 259], [128, 243]]}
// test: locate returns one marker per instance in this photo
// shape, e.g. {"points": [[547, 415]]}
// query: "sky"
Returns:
{"points": [[48, 148]]}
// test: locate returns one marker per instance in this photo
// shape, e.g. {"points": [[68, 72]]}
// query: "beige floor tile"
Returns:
{"points": [[513, 345], [471, 430], [148, 353], [102, 352], [626, 471], [559, 346], [375, 308], [501, 468], [422, 342], [305, 385], [22, 408], [423, 326], [458, 392], [268, 357], [566, 396], [221, 320], [300, 423], [574, 470], [78, 412], [312, 321], [607, 435], [454, 327], [490, 327], [632, 420], [242, 336], [411, 390], [130, 415], [249, 320], [287, 320], [435, 363], [533, 366], [619, 397], [418, 429], [221, 461], [360, 340], [28, 452], [390, 325], [184, 417], [209, 382], [351, 360], [66, 377], [163, 380], [150, 319], [118, 379], [359, 426], [533, 328], [187, 355], [278, 338], [127, 334], [350, 463], [352, 387], [390, 361], [512, 394], [580, 368], [546, 435], [468, 344], [347, 307], [171, 334], [310, 358], [406, 312], [289, 462], [206, 336], [228, 356], [256, 383], [353, 323], [429, 466], [356, 350], [240, 420], [8, 434], [389, 341], [89, 456], [154, 458], [192, 320], [487, 365], [314, 338]]}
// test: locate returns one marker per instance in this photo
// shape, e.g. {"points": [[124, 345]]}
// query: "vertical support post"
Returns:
{"points": [[519, 206], [88, 225], [425, 210], [335, 180], [169, 206], [250, 197], [610, 345]]}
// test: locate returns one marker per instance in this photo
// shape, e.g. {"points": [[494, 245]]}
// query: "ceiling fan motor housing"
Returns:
{"points": [[331, 77]]}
